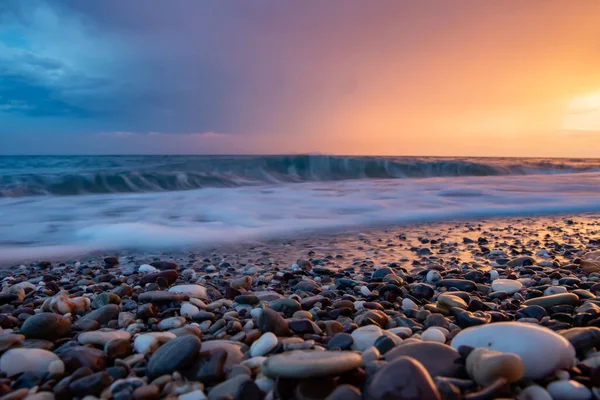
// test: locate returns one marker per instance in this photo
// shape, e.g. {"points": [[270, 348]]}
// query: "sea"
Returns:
{"points": [[54, 206]]}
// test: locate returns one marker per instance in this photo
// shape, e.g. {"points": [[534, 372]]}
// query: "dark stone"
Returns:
{"points": [[304, 326], [111, 261], [164, 265], [422, 291], [270, 321], [437, 319], [208, 367], [521, 261], [460, 284], [379, 274], [247, 299], [286, 306], [170, 276], [402, 379], [48, 326], [554, 300], [309, 302], [76, 357], [371, 317], [175, 355], [345, 392], [342, 341], [146, 311], [28, 380], [241, 387], [384, 344], [534, 311], [203, 316], [117, 348], [102, 316], [158, 296], [316, 388], [465, 319], [438, 359], [307, 286], [105, 298], [583, 339], [90, 385]]}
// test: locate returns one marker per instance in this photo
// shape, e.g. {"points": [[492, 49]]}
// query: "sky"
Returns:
{"points": [[382, 77]]}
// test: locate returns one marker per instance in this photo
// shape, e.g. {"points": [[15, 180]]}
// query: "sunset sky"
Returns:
{"points": [[388, 77]]}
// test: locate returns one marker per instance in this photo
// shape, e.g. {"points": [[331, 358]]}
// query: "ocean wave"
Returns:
{"points": [[35, 176], [48, 226]]}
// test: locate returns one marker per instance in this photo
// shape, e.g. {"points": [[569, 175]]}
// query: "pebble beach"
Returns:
{"points": [[480, 309]]}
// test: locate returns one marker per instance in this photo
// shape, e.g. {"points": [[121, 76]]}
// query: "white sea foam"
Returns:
{"points": [[52, 226]]}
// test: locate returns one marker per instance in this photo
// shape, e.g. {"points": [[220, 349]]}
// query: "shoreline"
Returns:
{"points": [[494, 308], [291, 246]]}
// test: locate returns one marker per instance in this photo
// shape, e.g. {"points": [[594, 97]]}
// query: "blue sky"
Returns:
{"points": [[342, 76]]}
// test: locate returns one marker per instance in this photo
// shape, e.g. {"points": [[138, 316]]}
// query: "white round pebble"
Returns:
{"points": [[267, 342], [15, 361], [568, 390], [190, 290], [149, 342], [534, 392], [408, 304], [254, 362], [56, 367], [532, 345], [494, 275], [433, 276], [171, 323], [506, 285], [194, 395], [188, 309], [365, 336], [433, 335], [401, 331], [265, 384], [555, 290], [147, 268], [445, 331]]}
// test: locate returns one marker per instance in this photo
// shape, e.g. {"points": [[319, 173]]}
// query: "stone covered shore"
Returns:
{"points": [[465, 310]]}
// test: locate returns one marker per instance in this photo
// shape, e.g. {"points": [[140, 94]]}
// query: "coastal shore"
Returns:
{"points": [[495, 308]]}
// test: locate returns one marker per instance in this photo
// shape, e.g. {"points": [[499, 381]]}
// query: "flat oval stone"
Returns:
{"points": [[532, 345], [460, 284], [437, 358], [15, 361], [402, 379], [341, 340], [582, 339], [509, 286], [196, 291], [102, 336], [157, 296], [176, 354], [553, 300], [303, 364], [100, 316], [48, 326]]}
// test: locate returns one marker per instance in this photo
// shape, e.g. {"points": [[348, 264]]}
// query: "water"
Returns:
{"points": [[61, 205]]}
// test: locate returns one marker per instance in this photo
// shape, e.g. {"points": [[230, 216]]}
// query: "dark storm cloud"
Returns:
{"points": [[346, 76]]}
